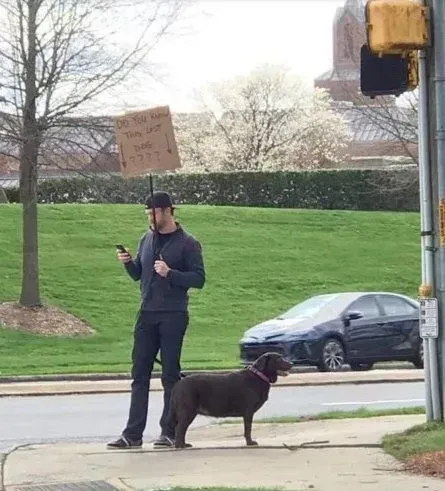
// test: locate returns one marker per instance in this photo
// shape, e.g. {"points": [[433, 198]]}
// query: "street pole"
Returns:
{"points": [[432, 386], [438, 74], [425, 203]]}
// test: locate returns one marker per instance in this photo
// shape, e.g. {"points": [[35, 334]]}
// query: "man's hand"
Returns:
{"points": [[161, 268], [123, 258]]}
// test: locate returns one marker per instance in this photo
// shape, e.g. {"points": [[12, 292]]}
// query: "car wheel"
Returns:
{"points": [[332, 356], [418, 361], [361, 367]]}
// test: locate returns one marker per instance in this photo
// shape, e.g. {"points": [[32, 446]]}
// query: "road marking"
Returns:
{"points": [[362, 403]]}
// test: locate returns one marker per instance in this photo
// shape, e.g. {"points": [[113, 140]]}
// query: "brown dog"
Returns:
{"points": [[237, 394]]}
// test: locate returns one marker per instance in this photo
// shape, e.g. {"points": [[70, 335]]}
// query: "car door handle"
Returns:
{"points": [[380, 324]]}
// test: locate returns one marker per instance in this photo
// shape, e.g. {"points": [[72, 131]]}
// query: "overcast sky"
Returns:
{"points": [[225, 38]]}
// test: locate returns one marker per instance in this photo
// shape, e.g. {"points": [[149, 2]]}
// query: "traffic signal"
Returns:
{"points": [[396, 26], [387, 74], [395, 30], [382, 75]]}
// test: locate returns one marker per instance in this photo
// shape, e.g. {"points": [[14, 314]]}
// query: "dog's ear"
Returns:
{"points": [[262, 363], [272, 369], [267, 364], [272, 362]]}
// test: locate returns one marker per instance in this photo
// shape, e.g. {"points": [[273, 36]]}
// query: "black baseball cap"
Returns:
{"points": [[160, 199]]}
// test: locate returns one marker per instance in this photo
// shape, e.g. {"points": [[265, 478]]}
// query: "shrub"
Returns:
{"points": [[329, 189]]}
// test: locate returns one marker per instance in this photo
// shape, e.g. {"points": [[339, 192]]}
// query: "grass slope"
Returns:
{"points": [[419, 439], [360, 413], [259, 262]]}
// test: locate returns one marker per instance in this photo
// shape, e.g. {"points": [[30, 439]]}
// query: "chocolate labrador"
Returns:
{"points": [[237, 394]]}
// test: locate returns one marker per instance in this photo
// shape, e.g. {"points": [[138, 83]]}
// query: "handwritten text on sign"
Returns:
{"points": [[146, 141]]}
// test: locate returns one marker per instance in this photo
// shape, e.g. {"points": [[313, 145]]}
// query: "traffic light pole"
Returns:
{"points": [[432, 393], [438, 21]]}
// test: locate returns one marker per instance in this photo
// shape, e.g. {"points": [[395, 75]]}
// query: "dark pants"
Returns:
{"points": [[154, 331]]}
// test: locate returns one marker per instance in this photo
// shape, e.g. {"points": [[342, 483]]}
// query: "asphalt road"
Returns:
{"points": [[101, 417]]}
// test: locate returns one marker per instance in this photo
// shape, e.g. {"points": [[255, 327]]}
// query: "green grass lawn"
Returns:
{"points": [[259, 262], [360, 413], [420, 439]]}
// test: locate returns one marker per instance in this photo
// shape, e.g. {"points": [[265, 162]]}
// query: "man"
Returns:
{"points": [[168, 262]]}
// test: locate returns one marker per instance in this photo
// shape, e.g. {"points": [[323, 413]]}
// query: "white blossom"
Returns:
{"points": [[267, 120]]}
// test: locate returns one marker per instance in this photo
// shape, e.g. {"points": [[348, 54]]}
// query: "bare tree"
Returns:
{"points": [[398, 122], [56, 57]]}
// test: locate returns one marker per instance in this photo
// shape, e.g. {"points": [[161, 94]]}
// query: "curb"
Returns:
{"points": [[92, 377], [87, 377], [69, 390]]}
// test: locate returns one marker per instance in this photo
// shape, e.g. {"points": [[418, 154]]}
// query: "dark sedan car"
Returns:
{"points": [[328, 331]]}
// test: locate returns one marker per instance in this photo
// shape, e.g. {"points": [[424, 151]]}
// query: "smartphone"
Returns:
{"points": [[121, 249]]}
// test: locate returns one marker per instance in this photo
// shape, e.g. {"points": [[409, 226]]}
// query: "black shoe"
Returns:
{"points": [[124, 443], [165, 441]]}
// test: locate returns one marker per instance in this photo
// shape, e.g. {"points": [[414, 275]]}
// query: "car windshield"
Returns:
{"points": [[308, 308]]}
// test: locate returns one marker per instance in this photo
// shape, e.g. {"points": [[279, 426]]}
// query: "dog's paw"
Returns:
{"points": [[252, 443], [183, 445]]}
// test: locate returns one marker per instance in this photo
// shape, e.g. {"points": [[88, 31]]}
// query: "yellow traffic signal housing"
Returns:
{"points": [[396, 26]]}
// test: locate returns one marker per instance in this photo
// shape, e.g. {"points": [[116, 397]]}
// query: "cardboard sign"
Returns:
{"points": [[146, 142]]}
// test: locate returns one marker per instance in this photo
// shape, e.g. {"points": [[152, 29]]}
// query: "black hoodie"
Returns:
{"points": [[182, 253]]}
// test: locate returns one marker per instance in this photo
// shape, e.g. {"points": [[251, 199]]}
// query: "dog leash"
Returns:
{"points": [[158, 361]]}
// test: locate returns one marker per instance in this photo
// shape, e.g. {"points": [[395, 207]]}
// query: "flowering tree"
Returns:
{"points": [[263, 121], [199, 141]]}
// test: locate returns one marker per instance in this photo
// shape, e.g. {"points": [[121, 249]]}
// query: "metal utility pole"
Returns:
{"points": [[432, 386], [438, 81], [432, 184]]}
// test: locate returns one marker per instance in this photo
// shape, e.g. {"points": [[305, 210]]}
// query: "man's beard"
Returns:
{"points": [[159, 226]]}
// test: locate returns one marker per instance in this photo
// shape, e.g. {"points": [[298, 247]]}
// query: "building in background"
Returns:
{"points": [[379, 127]]}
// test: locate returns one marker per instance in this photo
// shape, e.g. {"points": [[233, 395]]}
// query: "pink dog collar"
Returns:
{"points": [[259, 374]]}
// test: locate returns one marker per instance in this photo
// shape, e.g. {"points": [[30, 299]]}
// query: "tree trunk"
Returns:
{"points": [[30, 295]]}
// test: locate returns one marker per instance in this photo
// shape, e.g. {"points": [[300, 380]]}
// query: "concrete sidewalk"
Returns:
{"points": [[349, 460], [64, 387]]}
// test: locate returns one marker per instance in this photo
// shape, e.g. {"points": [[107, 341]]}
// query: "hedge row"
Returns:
{"points": [[342, 189]]}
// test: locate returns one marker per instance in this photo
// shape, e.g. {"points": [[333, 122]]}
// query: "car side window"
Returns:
{"points": [[396, 306], [367, 306]]}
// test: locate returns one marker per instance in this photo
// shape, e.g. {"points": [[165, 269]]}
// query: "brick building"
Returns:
{"points": [[378, 127]]}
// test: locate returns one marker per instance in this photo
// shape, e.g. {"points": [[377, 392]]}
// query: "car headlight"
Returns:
{"points": [[244, 340]]}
